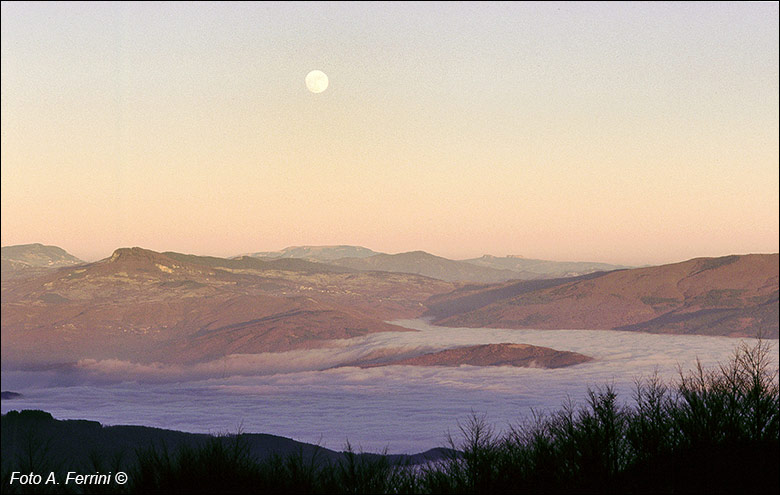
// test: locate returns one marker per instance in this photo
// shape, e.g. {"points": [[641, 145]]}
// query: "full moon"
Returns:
{"points": [[316, 81]]}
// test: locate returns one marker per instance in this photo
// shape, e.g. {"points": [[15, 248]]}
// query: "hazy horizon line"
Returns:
{"points": [[93, 258]]}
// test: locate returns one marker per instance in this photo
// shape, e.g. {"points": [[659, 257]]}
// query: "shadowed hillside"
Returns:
{"points": [[80, 440]]}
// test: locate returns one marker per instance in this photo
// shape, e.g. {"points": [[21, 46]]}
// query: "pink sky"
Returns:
{"points": [[633, 134]]}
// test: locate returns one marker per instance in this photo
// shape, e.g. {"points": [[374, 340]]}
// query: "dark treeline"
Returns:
{"points": [[713, 431]]}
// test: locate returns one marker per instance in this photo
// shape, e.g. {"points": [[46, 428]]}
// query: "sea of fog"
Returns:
{"points": [[403, 409]]}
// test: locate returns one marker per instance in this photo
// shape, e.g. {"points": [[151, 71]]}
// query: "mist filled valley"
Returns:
{"points": [[323, 353], [306, 396], [390, 247]]}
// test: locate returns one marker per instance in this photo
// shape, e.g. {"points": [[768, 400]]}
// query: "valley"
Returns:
{"points": [[144, 306]]}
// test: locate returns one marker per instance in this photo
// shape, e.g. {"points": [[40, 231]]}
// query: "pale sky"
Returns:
{"points": [[634, 133]]}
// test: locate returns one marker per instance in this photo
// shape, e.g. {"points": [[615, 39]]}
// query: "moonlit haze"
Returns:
{"points": [[633, 133]]}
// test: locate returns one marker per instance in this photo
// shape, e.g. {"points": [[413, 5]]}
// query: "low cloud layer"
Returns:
{"points": [[302, 394]]}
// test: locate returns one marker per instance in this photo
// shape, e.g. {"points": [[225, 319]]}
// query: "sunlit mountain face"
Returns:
{"points": [[332, 348], [144, 306]]}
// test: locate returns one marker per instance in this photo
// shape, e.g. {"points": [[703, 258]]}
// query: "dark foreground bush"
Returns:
{"points": [[227, 467], [715, 431]]}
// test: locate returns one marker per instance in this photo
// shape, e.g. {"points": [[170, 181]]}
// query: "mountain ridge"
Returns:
{"points": [[24, 259], [146, 306], [487, 268], [77, 440], [319, 253], [733, 295], [505, 354], [545, 268], [429, 265]]}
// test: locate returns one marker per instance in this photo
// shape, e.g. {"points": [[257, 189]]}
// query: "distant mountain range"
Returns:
{"points": [[428, 265], [318, 253], [30, 256], [731, 295], [486, 269], [144, 306], [481, 270], [543, 268]]}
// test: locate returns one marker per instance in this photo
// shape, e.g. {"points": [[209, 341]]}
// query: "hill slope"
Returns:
{"points": [[731, 295], [543, 268], [429, 265], [519, 355], [492, 268], [24, 258], [147, 306], [318, 253]]}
